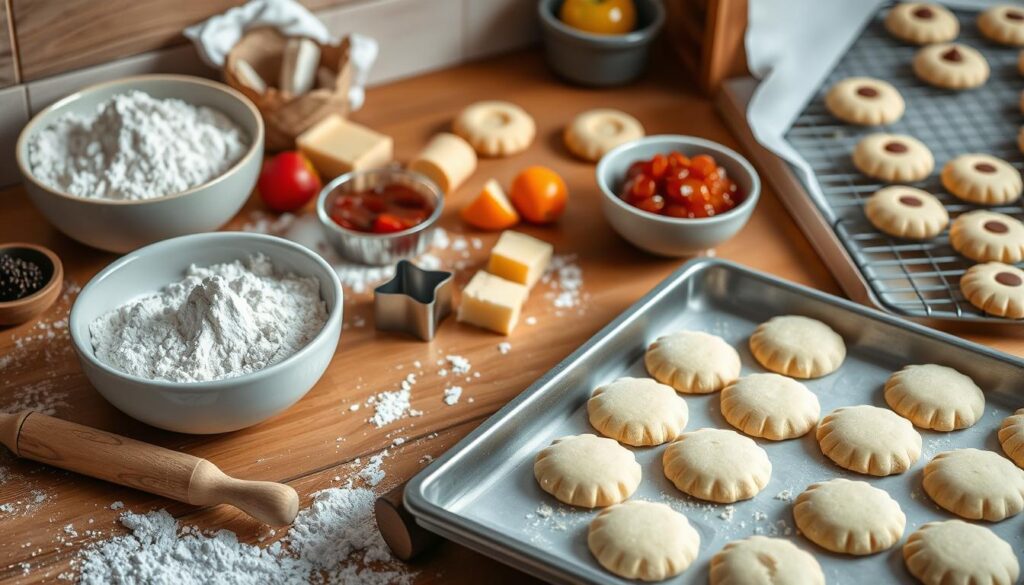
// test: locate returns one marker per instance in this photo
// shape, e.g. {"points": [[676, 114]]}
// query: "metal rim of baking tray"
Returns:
{"points": [[494, 543]]}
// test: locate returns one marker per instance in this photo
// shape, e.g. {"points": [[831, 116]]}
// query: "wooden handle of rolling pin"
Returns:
{"points": [[143, 466], [398, 527]]}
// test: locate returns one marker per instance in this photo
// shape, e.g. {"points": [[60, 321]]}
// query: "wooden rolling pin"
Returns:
{"points": [[142, 466]]}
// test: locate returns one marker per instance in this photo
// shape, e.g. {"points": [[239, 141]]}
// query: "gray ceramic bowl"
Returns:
{"points": [[121, 226], [379, 249], [220, 405], [599, 60], [670, 236]]}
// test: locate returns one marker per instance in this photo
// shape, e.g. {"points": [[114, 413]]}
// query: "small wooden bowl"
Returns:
{"points": [[26, 308]]}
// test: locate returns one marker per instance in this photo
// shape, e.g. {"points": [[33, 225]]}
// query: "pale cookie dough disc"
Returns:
{"points": [[975, 484], [717, 465], [496, 128], [1003, 24], [797, 346], [982, 179], [866, 101], [692, 362], [849, 517], [1011, 437], [595, 132], [906, 212], [951, 66], [868, 439], [770, 406], [760, 560], [922, 23], [643, 540], [954, 551], [637, 411], [987, 236], [935, 397], [587, 471], [996, 288], [893, 158]]}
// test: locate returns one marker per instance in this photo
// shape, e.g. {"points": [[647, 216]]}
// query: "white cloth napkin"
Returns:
{"points": [[215, 36]]}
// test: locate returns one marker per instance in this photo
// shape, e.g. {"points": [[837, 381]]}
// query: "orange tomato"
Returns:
{"points": [[491, 209], [539, 194], [603, 17]]}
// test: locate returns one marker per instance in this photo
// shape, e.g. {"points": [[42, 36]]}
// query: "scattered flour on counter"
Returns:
{"points": [[452, 395], [504, 347], [44, 397], [458, 364], [117, 505], [565, 277], [219, 322], [135, 147]]}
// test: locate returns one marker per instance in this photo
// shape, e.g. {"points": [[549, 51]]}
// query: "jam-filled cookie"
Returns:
{"points": [[986, 236], [866, 101], [921, 23], [893, 158], [996, 288], [1003, 24], [951, 66], [906, 212], [982, 179]]}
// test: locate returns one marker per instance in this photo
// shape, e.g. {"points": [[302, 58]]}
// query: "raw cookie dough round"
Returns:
{"points": [[717, 465], [595, 132], [893, 158], [850, 517], [987, 236], [1011, 437], [770, 406], [906, 212], [643, 540], [868, 439], [922, 23], [935, 397], [797, 346], [587, 471], [996, 288], [975, 484], [637, 411], [759, 560], [954, 551], [1003, 24], [496, 128], [951, 66], [982, 179], [866, 101], [692, 362]]}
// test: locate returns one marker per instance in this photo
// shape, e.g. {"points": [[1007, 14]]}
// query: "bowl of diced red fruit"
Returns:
{"points": [[676, 195]]}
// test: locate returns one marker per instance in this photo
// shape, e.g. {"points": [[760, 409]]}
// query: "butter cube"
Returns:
{"points": [[337, 146], [492, 302], [520, 258]]}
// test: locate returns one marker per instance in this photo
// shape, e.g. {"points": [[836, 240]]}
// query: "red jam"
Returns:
{"points": [[384, 209], [678, 186]]}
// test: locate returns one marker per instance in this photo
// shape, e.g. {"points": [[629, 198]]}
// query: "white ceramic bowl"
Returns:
{"points": [[121, 226], [220, 405], [671, 236]]}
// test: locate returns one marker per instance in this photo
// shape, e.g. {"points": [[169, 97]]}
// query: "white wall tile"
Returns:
{"points": [[499, 26], [13, 117]]}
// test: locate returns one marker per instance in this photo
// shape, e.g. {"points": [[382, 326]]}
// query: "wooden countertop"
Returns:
{"points": [[317, 440]]}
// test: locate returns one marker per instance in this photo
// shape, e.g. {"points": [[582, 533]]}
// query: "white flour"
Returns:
{"points": [[135, 147], [219, 322]]}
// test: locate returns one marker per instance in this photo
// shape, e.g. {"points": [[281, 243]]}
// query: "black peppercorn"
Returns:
{"points": [[19, 278]]}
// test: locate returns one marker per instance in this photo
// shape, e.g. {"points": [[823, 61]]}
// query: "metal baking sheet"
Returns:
{"points": [[482, 493], [916, 279]]}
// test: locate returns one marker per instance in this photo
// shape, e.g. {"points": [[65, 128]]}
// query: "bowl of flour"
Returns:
{"points": [[125, 163], [208, 333]]}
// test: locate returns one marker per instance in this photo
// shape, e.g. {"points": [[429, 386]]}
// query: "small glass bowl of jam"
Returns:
{"points": [[379, 216]]}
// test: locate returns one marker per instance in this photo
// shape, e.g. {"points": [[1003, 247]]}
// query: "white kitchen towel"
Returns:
{"points": [[215, 36]]}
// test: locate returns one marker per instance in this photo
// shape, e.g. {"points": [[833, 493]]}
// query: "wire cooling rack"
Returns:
{"points": [[916, 279]]}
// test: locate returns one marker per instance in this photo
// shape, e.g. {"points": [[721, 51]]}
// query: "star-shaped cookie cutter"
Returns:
{"points": [[415, 301]]}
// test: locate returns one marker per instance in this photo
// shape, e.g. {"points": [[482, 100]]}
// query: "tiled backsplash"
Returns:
{"points": [[415, 36]]}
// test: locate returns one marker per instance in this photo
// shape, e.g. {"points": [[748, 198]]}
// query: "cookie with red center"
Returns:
{"points": [[866, 101], [982, 179], [922, 23], [906, 212], [1003, 24], [987, 236], [951, 66], [893, 158], [996, 288]]}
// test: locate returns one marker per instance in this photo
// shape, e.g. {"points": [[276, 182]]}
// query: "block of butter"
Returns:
{"points": [[336, 146], [492, 302], [520, 258]]}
